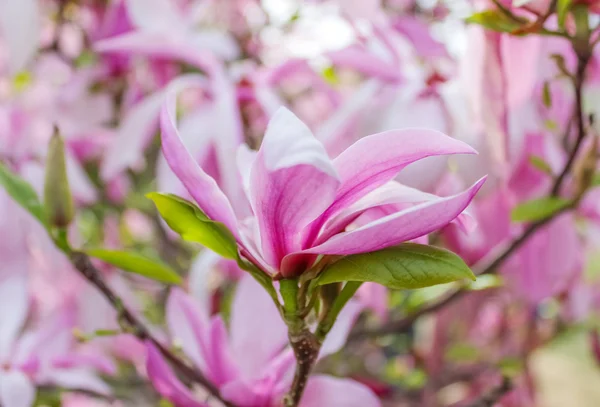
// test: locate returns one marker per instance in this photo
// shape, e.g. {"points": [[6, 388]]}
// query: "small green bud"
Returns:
{"points": [[58, 201]]}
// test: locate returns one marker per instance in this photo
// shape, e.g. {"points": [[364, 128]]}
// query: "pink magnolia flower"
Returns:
{"points": [[42, 355], [250, 364], [302, 201]]}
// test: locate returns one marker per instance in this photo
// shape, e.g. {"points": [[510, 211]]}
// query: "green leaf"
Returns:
{"points": [[596, 180], [538, 209], [539, 163], [494, 20], [193, 225], [562, 8], [22, 192], [135, 263], [408, 265]]}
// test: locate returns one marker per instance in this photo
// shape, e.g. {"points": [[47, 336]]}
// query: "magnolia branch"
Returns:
{"points": [[494, 395], [83, 264], [491, 266]]}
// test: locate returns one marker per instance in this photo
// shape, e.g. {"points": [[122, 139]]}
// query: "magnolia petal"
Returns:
{"points": [[324, 390], [255, 340], [166, 382], [13, 311], [343, 324], [292, 182], [201, 186], [20, 31], [155, 15], [79, 378], [377, 159], [16, 390], [189, 327], [400, 227]]}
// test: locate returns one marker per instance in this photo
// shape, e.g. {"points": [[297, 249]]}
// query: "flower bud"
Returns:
{"points": [[57, 194]]}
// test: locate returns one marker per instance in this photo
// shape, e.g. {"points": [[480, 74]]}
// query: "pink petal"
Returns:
{"points": [[155, 15], [13, 311], [547, 263], [324, 390], [189, 327], [223, 364], [200, 186], [20, 31], [339, 333], [79, 378], [377, 159], [394, 196], [16, 390], [166, 383], [255, 341], [375, 298], [292, 182], [403, 226], [366, 63]]}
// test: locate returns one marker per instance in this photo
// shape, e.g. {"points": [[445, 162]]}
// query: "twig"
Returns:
{"points": [[83, 264], [494, 395]]}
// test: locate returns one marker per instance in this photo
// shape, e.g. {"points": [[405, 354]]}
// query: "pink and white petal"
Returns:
{"points": [[375, 298], [392, 194], [79, 378], [292, 182], [339, 333], [166, 382], [400, 227], [189, 327], [82, 187], [154, 45], [374, 160], [223, 365], [547, 263], [255, 340], [16, 390], [366, 63], [201, 277], [324, 390], [155, 15], [13, 312], [135, 131], [220, 43], [201, 187], [20, 31]]}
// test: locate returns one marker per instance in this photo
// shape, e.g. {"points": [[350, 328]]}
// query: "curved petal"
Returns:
{"points": [[155, 15], [83, 379], [189, 327], [16, 390], [166, 383], [324, 390], [257, 332], [391, 194], [377, 159], [20, 31], [400, 227], [200, 186], [13, 312], [292, 182], [343, 324]]}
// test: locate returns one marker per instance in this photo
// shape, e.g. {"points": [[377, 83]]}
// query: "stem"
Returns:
{"points": [[83, 264], [304, 343]]}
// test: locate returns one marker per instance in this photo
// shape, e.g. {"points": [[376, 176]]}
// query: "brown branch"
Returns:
{"points": [[83, 264], [494, 395]]}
